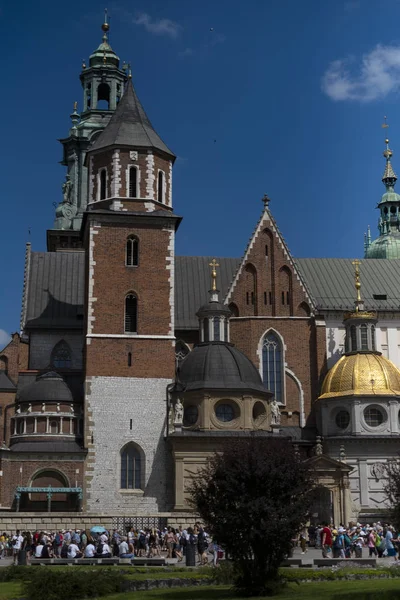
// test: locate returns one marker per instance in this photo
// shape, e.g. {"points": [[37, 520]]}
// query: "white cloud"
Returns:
{"points": [[186, 52], [158, 27], [377, 75], [4, 338]]}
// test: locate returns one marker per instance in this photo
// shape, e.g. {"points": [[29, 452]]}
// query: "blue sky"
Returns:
{"points": [[282, 97]]}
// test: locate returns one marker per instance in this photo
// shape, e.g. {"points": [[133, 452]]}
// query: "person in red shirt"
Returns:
{"points": [[326, 540]]}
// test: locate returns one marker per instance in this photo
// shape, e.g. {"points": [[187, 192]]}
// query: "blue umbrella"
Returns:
{"points": [[97, 529]]}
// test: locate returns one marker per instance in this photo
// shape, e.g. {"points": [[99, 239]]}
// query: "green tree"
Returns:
{"points": [[253, 498], [392, 490]]}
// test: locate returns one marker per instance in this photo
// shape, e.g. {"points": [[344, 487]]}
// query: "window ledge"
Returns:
{"points": [[134, 492]]}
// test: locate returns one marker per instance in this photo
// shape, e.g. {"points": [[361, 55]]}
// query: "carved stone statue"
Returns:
{"points": [[275, 413], [67, 190], [71, 408], [29, 409], [18, 409], [43, 407], [178, 412], [58, 407]]}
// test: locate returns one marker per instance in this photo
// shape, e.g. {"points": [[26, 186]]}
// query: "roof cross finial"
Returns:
{"points": [[213, 264], [356, 264]]}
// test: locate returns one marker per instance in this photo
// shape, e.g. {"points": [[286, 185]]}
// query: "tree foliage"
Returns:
{"points": [[253, 498], [392, 491]]}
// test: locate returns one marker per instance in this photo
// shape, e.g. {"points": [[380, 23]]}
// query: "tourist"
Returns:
{"points": [[38, 550], [103, 550], [57, 543], [84, 540], [68, 536], [47, 550], [123, 549], [389, 539], [169, 541], [16, 542], [338, 544], [73, 551], [90, 550], [202, 544], [371, 541], [326, 540]]}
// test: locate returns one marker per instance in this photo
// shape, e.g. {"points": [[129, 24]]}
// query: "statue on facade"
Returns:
{"points": [[58, 407], [67, 190], [178, 412], [43, 407], [29, 409], [18, 409], [275, 413]]}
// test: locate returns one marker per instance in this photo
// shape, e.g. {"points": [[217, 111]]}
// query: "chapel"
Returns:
{"points": [[133, 365]]}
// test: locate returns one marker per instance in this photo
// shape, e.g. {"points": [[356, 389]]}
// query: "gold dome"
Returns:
{"points": [[362, 375]]}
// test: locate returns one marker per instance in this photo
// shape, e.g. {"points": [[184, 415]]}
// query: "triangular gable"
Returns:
{"points": [[322, 462], [267, 222]]}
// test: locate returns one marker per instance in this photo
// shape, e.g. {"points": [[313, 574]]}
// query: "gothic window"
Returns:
{"points": [[61, 356], [234, 309], [131, 314], [160, 194], [131, 468], [132, 251], [103, 184], [272, 363], [133, 182], [364, 337], [353, 337], [216, 329], [103, 96]]}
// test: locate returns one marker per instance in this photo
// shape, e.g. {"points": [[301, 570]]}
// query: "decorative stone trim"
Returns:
{"points": [[25, 292], [116, 175], [150, 175]]}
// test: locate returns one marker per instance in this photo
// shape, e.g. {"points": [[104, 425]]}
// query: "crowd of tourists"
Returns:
{"points": [[100, 543], [378, 540]]}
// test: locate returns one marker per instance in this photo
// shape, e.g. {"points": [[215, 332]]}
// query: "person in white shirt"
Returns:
{"points": [[38, 551], [103, 538], [90, 550], [73, 551], [16, 542], [124, 549]]}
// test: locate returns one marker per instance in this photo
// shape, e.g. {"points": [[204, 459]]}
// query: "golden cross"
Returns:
{"points": [[214, 266], [357, 263], [385, 125], [75, 106]]}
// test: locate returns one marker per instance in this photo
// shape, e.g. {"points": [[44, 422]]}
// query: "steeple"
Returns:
{"points": [[130, 126], [387, 245], [214, 316]]}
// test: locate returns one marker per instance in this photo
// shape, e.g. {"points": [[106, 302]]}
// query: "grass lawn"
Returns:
{"points": [[305, 591], [10, 590]]}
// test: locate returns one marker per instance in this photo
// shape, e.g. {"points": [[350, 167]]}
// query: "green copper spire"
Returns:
{"points": [[387, 245]]}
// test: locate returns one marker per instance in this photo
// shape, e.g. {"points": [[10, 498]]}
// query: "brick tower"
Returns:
{"points": [[129, 230]]}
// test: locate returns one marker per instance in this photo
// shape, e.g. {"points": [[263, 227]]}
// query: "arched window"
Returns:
{"points": [[54, 427], [234, 309], [217, 335], [133, 181], [131, 314], [181, 350], [206, 329], [131, 468], [132, 251], [103, 184], [103, 96], [61, 356], [160, 194], [272, 365]]}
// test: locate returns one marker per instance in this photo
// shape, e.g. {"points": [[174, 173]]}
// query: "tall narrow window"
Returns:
{"points": [[266, 250], [160, 195], [373, 346], [129, 359], [131, 314], [364, 337], [133, 182], [131, 468], [265, 297], [283, 297], [270, 297], [272, 361], [132, 251], [206, 330], [353, 337], [247, 297], [103, 184], [217, 336], [61, 356]]}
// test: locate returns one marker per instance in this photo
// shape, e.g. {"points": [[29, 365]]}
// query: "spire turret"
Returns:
{"points": [[360, 324], [214, 316], [389, 176]]}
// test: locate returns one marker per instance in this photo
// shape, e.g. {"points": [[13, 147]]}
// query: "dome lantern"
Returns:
{"points": [[214, 316]]}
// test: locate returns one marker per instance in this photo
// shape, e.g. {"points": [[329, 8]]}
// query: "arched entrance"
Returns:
{"points": [[322, 506], [38, 497]]}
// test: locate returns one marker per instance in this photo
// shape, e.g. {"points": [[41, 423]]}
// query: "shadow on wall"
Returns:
{"points": [[58, 314], [334, 354], [160, 484]]}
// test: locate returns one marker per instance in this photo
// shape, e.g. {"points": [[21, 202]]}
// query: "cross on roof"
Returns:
{"points": [[214, 266]]}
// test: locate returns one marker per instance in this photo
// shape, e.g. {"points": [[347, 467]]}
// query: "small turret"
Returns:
{"points": [[214, 316]]}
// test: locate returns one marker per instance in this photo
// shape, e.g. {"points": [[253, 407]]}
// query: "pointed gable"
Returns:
{"points": [[130, 126], [267, 281]]}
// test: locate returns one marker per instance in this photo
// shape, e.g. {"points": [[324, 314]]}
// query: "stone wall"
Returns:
{"points": [[120, 410], [53, 521], [42, 344]]}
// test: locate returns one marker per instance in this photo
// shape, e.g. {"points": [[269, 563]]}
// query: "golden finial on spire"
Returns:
{"points": [[75, 106], [356, 264], [385, 124], [213, 264]]}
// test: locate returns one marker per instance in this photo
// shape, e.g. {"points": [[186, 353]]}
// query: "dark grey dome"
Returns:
{"points": [[218, 365], [48, 387]]}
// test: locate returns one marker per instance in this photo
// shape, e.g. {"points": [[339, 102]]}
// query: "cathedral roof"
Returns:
{"points": [[55, 286], [219, 365], [385, 246], [6, 385], [130, 126], [362, 374], [48, 386]]}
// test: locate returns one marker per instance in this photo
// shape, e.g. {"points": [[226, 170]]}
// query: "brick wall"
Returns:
{"points": [[14, 357]]}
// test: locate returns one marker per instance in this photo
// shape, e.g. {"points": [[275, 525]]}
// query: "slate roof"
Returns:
{"points": [[130, 126], [55, 290], [56, 286], [6, 385], [47, 446], [331, 282], [192, 282]]}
